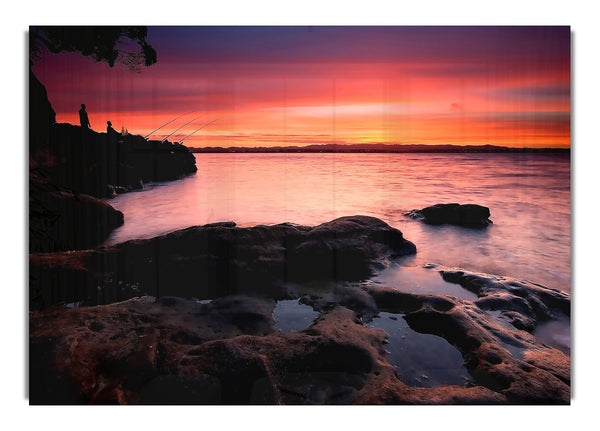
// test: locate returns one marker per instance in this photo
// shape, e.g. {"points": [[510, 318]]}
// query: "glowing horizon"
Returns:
{"points": [[277, 86]]}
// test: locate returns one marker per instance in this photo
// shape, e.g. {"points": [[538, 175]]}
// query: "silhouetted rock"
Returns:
{"points": [[226, 259], [101, 165], [467, 215], [60, 220], [41, 114]]}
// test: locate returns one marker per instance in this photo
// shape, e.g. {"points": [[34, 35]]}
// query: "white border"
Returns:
{"points": [[580, 15]]}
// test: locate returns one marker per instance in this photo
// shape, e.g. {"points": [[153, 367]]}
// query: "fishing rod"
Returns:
{"points": [[193, 119], [197, 130], [167, 123]]}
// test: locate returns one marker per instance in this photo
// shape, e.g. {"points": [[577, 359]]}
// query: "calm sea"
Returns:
{"points": [[528, 196]]}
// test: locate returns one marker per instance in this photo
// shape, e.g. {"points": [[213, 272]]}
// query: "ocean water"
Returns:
{"points": [[528, 196]]}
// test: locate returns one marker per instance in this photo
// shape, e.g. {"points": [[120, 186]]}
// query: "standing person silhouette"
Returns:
{"points": [[83, 117]]}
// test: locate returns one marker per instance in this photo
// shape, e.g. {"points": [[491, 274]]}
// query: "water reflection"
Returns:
{"points": [[292, 316], [422, 360], [555, 333], [420, 280]]}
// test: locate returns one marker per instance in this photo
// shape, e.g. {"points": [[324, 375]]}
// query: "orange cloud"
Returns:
{"points": [[500, 86]]}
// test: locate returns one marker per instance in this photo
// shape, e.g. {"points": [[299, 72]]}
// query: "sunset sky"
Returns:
{"points": [[270, 86]]}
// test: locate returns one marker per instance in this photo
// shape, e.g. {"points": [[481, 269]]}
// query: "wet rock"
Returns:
{"points": [[352, 297], [466, 215], [335, 361], [521, 301], [227, 351], [490, 364], [507, 360]]}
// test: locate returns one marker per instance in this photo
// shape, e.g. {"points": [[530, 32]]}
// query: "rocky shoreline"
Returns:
{"points": [[188, 317], [71, 168], [79, 165], [218, 259], [210, 336], [98, 164]]}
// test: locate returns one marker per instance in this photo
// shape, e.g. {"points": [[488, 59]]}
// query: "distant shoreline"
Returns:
{"points": [[378, 148]]}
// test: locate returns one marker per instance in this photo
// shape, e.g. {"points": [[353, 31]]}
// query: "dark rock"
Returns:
{"points": [[96, 326], [228, 352], [467, 215], [335, 361], [523, 302], [343, 249], [101, 165], [181, 390], [352, 297], [61, 220], [41, 114], [180, 351], [225, 358], [483, 342], [221, 259]]}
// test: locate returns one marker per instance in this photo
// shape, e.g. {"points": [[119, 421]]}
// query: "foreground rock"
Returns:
{"points": [[467, 215], [178, 351], [220, 259], [505, 358], [227, 352]]}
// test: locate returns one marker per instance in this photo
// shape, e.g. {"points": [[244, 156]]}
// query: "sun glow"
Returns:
{"points": [[334, 85]]}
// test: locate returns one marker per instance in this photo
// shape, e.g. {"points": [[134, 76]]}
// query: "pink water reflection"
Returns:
{"points": [[528, 195]]}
